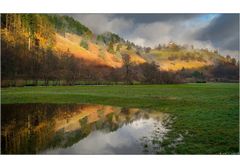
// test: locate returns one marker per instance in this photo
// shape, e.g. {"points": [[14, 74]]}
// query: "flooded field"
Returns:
{"points": [[81, 129]]}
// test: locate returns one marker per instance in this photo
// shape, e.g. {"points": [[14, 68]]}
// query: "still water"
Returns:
{"points": [[81, 129]]}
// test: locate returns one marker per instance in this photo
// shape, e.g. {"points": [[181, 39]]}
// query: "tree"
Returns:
{"points": [[233, 61], [69, 68], [50, 67], [118, 47], [150, 72], [110, 48], [225, 70], [35, 64], [159, 47], [198, 75], [129, 47], [127, 66]]}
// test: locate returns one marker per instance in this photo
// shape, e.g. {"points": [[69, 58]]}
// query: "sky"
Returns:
{"points": [[212, 31]]}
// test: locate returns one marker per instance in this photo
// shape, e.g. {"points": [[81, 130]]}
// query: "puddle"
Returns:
{"points": [[81, 129]]}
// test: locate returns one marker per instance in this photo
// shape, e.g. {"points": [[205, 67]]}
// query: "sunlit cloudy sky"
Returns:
{"points": [[213, 31]]}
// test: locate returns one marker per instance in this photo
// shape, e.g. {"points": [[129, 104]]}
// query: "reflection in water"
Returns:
{"points": [[80, 129]]}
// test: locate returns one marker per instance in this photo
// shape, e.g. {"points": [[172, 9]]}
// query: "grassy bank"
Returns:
{"points": [[207, 115]]}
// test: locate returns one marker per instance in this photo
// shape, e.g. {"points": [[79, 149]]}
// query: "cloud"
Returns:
{"points": [[212, 31], [180, 32], [151, 33], [223, 32], [150, 18], [100, 23]]}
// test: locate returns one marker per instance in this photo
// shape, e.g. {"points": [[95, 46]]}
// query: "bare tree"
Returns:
{"points": [[127, 66]]}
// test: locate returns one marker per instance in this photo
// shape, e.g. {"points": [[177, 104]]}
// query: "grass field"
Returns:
{"points": [[207, 115]]}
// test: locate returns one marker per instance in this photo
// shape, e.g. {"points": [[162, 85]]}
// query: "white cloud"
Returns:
{"points": [[100, 23], [152, 34]]}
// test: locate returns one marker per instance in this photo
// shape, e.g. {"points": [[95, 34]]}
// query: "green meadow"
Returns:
{"points": [[205, 115]]}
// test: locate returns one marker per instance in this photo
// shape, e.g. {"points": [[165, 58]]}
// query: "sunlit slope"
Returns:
{"points": [[178, 65], [176, 60], [95, 53], [169, 60], [71, 42]]}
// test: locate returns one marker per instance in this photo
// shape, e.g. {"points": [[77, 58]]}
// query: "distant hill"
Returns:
{"points": [[170, 59]]}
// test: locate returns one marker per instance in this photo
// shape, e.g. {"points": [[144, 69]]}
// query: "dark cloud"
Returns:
{"points": [[149, 18], [222, 32]]}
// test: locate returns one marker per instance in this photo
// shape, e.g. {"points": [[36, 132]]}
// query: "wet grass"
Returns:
{"points": [[207, 115]]}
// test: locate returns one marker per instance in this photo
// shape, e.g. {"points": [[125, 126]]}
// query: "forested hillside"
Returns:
{"points": [[56, 49]]}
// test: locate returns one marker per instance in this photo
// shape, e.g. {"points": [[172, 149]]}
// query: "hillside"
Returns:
{"points": [[71, 42], [68, 34], [170, 59], [57, 47]]}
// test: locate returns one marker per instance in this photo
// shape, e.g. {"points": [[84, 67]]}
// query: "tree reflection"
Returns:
{"points": [[32, 128]]}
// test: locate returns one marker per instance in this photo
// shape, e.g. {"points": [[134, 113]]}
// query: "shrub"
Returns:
{"points": [[84, 44]]}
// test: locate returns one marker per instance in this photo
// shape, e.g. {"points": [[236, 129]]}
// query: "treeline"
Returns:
{"points": [[219, 72], [65, 24], [27, 30], [40, 65], [108, 38]]}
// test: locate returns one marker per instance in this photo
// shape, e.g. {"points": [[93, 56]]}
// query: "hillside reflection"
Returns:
{"points": [[42, 128]]}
